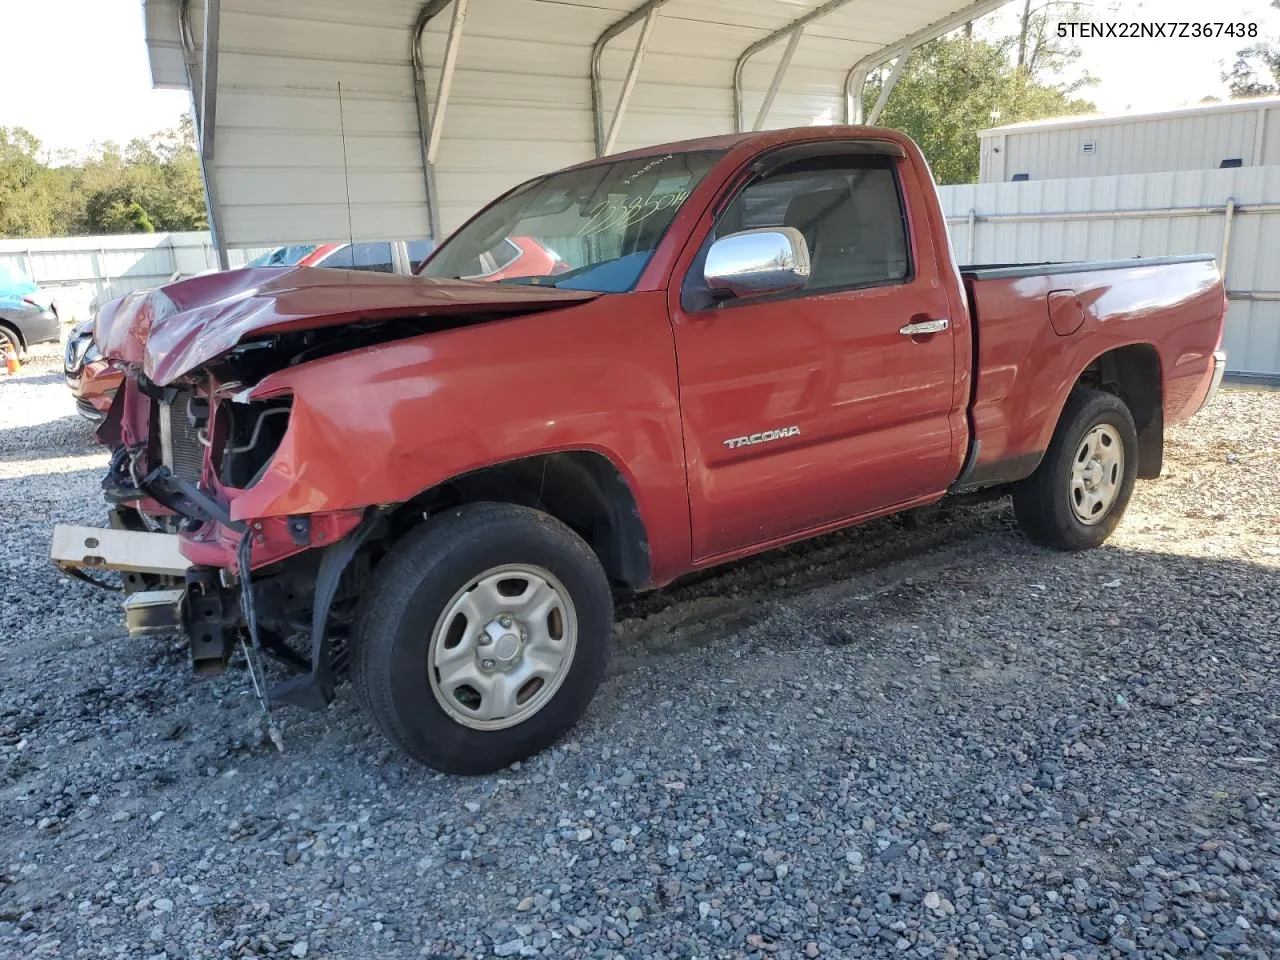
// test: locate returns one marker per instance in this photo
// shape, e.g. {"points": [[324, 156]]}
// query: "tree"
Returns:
{"points": [[1024, 33], [119, 217], [955, 86], [1039, 46], [1256, 72], [26, 189], [153, 183]]}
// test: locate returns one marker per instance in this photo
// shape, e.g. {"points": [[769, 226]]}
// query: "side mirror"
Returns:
{"points": [[755, 262]]}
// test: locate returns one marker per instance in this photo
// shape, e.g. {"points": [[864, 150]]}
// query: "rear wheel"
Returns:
{"points": [[483, 637], [1082, 487]]}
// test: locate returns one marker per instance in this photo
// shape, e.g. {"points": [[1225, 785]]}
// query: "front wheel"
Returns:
{"points": [[1080, 491], [483, 637]]}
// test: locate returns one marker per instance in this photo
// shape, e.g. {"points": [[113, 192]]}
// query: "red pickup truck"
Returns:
{"points": [[747, 340]]}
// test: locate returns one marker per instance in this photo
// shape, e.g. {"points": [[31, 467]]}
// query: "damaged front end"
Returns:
{"points": [[224, 524], [183, 455]]}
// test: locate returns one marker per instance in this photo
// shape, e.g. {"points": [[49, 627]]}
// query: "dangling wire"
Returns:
{"points": [[81, 575], [253, 650]]}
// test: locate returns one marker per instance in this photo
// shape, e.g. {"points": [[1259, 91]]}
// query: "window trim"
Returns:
{"points": [[695, 296]]}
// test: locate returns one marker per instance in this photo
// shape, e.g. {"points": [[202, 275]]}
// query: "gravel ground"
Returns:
{"points": [[925, 739]]}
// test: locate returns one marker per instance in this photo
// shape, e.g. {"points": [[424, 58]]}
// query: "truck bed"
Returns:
{"points": [[1037, 325]]}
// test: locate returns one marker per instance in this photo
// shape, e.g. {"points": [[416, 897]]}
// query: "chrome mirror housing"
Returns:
{"points": [[755, 262]]}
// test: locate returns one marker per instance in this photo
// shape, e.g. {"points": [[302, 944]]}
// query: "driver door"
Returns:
{"points": [[811, 408]]}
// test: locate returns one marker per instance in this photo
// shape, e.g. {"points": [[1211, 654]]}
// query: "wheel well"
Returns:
{"points": [[583, 490], [1133, 374]]}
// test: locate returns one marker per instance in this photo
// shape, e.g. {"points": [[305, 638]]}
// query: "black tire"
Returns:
{"points": [[1042, 503], [7, 337], [410, 589]]}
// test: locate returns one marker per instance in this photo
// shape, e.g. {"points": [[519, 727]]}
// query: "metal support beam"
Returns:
{"points": [[642, 12], [857, 75], [794, 26], [629, 84], [426, 13], [209, 76], [776, 83], [1136, 213], [190, 58], [451, 46], [890, 82], [196, 75], [854, 84], [1228, 217]]}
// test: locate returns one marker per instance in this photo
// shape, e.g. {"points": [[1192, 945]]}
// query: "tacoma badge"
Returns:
{"points": [[765, 437]]}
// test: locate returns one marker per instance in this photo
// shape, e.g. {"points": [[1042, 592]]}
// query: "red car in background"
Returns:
{"points": [[92, 379], [513, 257], [383, 256]]}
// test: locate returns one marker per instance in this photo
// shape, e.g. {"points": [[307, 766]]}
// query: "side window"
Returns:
{"points": [[849, 211], [340, 259], [505, 252], [373, 257], [498, 257]]}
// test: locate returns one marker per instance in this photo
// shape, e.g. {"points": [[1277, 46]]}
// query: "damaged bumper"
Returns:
{"points": [[98, 548], [217, 606], [154, 560], [186, 457], [171, 596]]}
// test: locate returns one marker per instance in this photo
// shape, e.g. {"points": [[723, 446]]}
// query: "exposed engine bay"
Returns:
{"points": [[208, 439]]}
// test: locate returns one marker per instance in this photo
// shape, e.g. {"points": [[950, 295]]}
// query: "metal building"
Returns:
{"points": [[1233, 214], [1237, 133], [446, 103]]}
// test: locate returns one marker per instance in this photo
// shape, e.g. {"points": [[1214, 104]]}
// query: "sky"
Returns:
{"points": [[1160, 74], [79, 73], [75, 72]]}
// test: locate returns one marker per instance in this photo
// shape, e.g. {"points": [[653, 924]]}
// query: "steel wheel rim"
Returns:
{"points": [[502, 647], [1097, 471]]}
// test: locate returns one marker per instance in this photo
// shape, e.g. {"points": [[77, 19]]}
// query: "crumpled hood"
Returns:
{"points": [[170, 330]]}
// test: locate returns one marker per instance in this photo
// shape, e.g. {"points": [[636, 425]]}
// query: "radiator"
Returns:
{"points": [[183, 453]]}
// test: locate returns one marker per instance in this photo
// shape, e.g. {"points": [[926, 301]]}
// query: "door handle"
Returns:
{"points": [[925, 327]]}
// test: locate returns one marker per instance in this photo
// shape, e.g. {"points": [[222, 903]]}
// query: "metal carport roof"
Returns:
{"points": [[445, 103]]}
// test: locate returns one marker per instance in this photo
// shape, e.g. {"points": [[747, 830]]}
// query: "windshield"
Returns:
{"points": [[593, 228]]}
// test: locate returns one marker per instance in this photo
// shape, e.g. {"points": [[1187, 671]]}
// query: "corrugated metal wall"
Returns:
{"points": [[1142, 145], [280, 156], [520, 103], [1084, 218], [519, 106]]}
